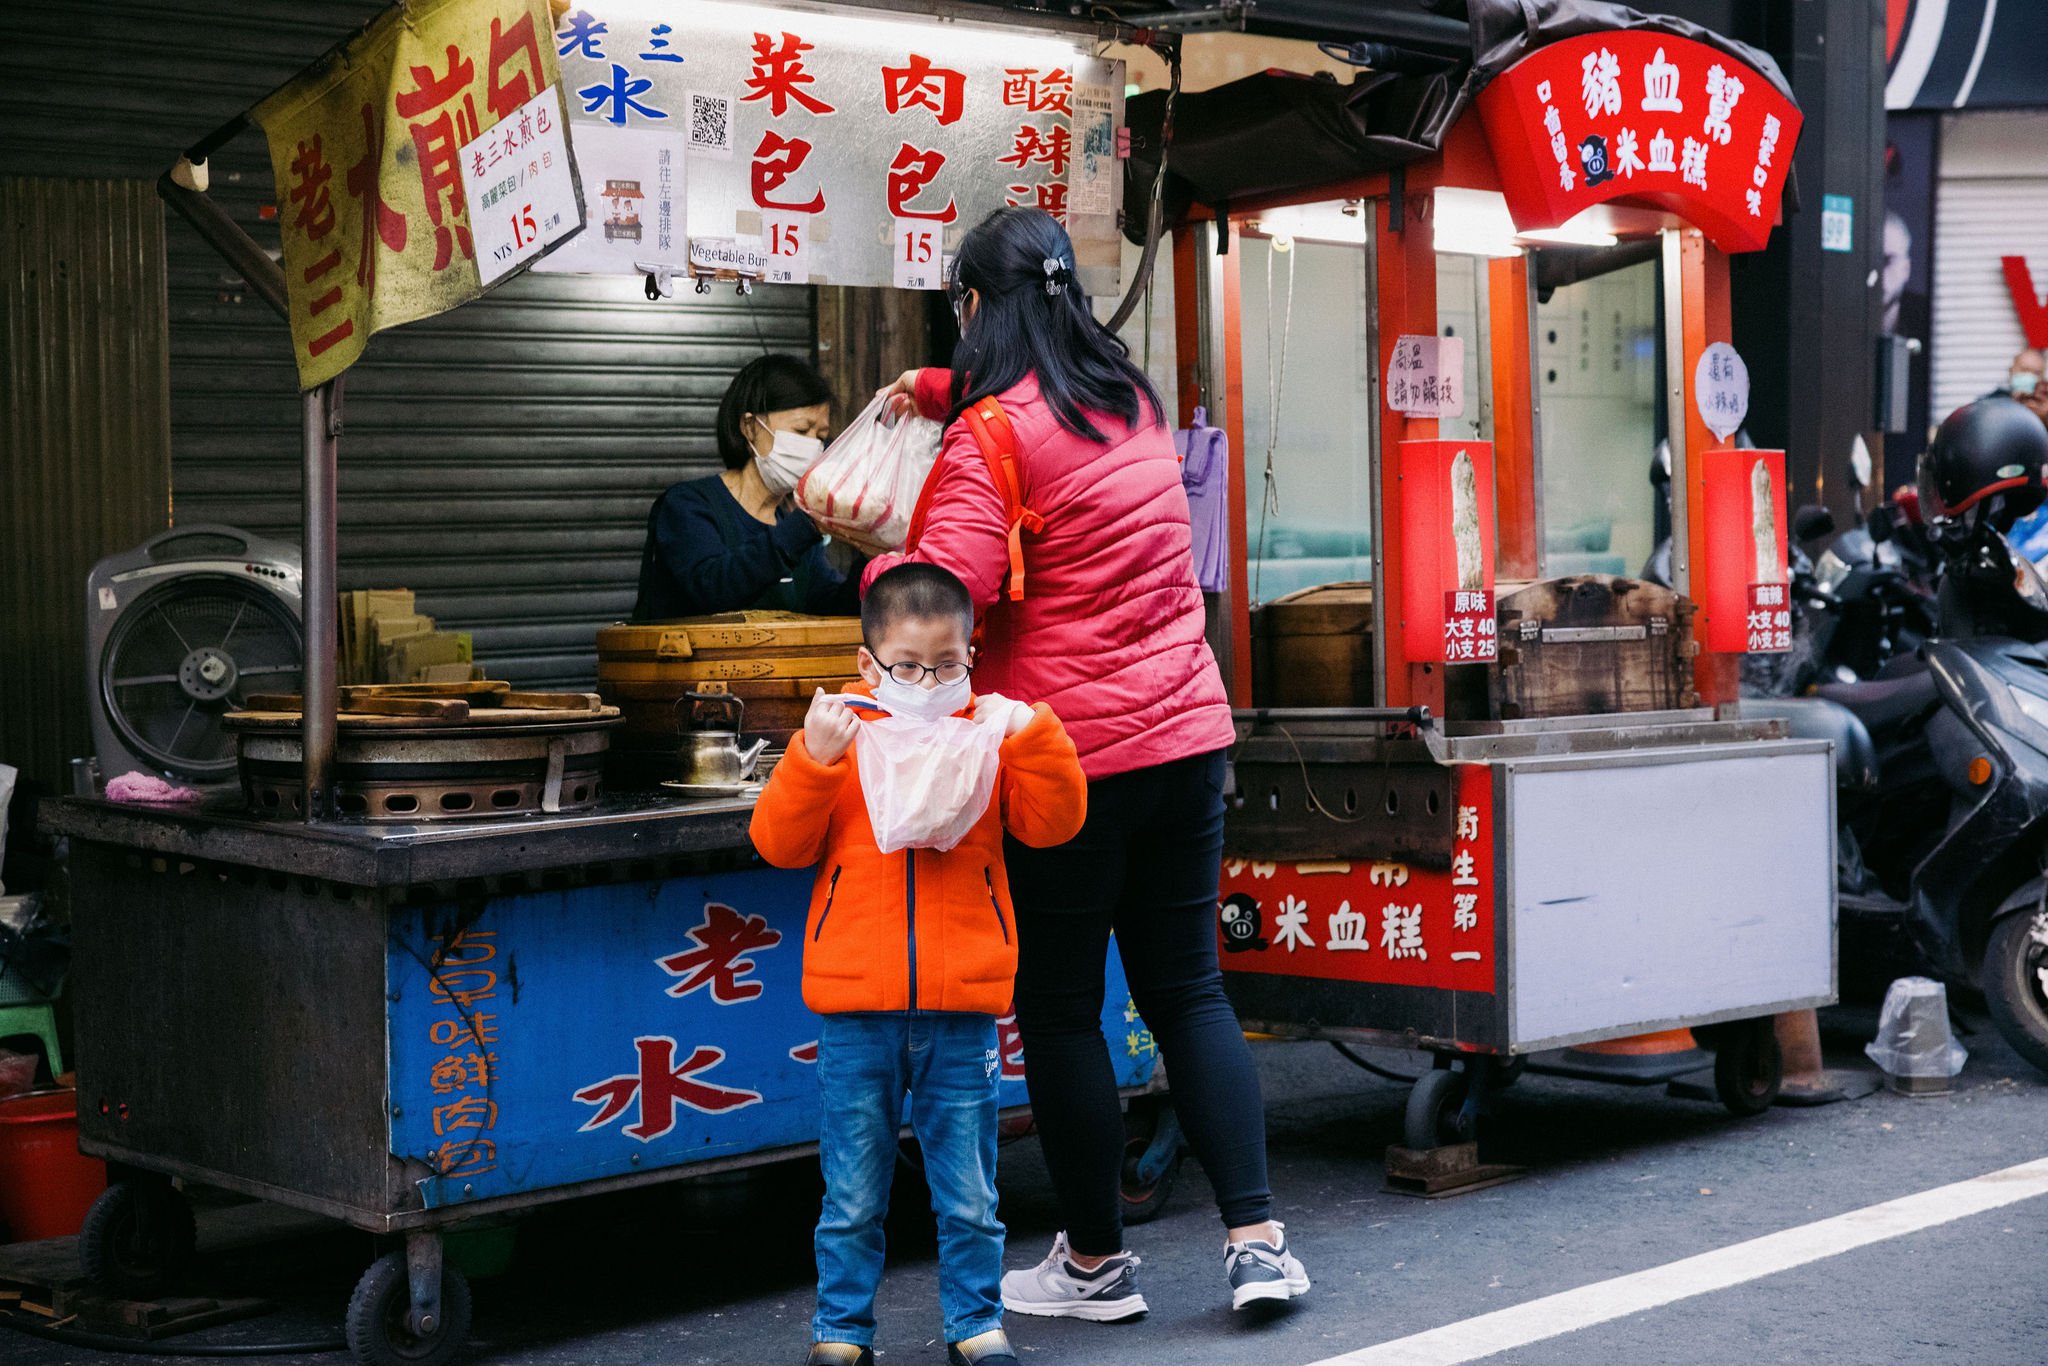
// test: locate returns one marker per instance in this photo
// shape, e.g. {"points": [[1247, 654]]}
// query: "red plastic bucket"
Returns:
{"points": [[46, 1184]]}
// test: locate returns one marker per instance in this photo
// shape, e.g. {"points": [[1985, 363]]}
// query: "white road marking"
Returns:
{"points": [[1567, 1312]]}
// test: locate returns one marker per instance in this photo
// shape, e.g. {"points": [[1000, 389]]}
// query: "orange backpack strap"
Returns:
{"points": [[990, 427]]}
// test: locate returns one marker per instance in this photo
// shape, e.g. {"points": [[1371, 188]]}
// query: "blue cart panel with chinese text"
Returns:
{"points": [[553, 1038]]}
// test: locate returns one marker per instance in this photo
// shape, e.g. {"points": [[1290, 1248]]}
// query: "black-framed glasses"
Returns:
{"points": [[911, 674]]}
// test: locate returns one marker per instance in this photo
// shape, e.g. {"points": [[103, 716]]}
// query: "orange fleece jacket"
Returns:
{"points": [[918, 929]]}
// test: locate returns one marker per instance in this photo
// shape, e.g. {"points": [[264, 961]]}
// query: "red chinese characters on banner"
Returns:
{"points": [[1051, 148], [661, 1084], [1039, 92], [313, 213], [720, 959], [779, 76], [1050, 195], [516, 73], [1385, 922], [909, 174], [437, 144], [1644, 116], [776, 159], [921, 85]]}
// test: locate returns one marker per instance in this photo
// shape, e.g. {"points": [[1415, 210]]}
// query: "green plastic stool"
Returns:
{"points": [[37, 1019]]}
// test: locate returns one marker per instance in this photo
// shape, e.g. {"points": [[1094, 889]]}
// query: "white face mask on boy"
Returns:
{"points": [[913, 702], [788, 457]]}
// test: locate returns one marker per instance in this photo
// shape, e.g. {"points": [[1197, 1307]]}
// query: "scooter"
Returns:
{"points": [[1942, 796]]}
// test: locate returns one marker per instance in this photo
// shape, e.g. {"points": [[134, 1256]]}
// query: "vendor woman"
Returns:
{"points": [[734, 541]]}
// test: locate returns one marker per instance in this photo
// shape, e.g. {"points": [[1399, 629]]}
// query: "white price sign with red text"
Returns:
{"points": [[519, 188], [919, 256], [786, 242]]}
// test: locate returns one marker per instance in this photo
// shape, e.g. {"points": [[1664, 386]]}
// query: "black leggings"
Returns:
{"points": [[1147, 865]]}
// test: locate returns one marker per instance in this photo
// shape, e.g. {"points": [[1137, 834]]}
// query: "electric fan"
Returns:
{"points": [[180, 631]]}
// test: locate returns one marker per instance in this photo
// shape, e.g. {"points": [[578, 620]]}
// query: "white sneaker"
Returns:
{"points": [[1260, 1270], [1058, 1289]]}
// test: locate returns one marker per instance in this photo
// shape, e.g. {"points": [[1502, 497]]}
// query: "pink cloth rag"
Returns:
{"points": [[147, 787]]}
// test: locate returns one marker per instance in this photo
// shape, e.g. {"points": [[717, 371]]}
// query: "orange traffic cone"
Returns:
{"points": [[1807, 1080]]}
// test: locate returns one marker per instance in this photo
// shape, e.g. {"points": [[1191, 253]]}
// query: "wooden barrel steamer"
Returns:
{"points": [[771, 661]]}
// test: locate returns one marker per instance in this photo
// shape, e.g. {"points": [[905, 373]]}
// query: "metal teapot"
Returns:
{"points": [[711, 756]]}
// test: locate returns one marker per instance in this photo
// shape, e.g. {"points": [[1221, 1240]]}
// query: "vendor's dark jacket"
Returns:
{"points": [[704, 555]]}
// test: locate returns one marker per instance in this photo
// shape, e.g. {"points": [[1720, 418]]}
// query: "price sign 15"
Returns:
{"points": [[787, 237], [918, 264]]}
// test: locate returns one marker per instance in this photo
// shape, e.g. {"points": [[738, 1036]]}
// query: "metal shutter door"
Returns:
{"points": [[1992, 201], [499, 460]]}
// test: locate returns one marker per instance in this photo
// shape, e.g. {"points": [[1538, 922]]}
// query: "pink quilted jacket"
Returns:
{"points": [[1109, 633]]}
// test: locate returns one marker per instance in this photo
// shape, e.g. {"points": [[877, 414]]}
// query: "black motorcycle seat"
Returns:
{"points": [[1814, 718], [1886, 704]]}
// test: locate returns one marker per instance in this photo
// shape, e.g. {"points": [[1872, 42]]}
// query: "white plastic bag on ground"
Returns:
{"points": [[927, 782], [1913, 1038], [864, 488]]}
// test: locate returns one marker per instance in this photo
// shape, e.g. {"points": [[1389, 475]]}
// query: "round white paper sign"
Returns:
{"points": [[1720, 389]]}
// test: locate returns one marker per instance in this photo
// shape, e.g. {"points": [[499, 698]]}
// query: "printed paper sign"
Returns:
{"points": [[919, 261], [740, 255], [1426, 377], [522, 196], [1095, 170], [1769, 626], [1470, 633], [633, 187], [787, 240], [1837, 223], [1720, 389]]}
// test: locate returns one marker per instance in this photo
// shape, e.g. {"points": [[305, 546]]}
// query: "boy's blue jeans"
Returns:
{"points": [[948, 1064]]}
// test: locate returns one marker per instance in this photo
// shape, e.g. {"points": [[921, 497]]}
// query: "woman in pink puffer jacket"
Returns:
{"points": [[1109, 632]]}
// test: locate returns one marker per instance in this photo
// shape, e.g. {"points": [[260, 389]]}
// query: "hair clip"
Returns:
{"points": [[1055, 271]]}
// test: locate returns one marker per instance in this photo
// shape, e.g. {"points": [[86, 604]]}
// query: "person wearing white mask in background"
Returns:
{"points": [[735, 541]]}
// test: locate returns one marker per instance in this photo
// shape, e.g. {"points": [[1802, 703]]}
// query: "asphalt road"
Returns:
{"points": [[1620, 1181]]}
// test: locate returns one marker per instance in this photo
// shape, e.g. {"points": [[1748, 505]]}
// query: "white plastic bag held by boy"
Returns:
{"points": [[928, 782], [864, 488]]}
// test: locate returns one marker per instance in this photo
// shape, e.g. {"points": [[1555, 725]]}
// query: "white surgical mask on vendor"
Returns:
{"points": [[913, 702], [788, 456]]}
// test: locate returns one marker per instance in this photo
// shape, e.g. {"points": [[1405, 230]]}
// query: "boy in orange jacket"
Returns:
{"points": [[909, 957]]}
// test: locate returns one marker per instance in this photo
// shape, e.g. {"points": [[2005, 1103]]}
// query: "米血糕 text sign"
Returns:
{"points": [[1647, 117]]}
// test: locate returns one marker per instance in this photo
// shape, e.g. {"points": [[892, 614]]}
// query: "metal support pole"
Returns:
{"points": [[322, 428], [226, 236], [1677, 383]]}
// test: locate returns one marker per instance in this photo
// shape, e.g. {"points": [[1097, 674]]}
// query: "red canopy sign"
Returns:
{"points": [[1645, 117]]}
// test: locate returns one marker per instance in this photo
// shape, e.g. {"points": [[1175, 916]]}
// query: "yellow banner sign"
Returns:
{"points": [[368, 148]]}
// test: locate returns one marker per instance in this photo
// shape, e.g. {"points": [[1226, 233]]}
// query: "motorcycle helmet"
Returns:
{"points": [[1989, 457]]}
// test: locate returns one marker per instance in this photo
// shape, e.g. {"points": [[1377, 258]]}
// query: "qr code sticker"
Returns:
{"points": [[711, 131]]}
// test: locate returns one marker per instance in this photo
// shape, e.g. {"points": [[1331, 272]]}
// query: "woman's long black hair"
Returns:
{"points": [[766, 384], [1032, 319]]}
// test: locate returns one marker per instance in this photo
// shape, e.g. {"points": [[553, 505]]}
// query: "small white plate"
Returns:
{"points": [[712, 789]]}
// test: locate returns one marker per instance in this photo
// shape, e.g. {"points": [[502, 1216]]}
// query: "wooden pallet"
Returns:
{"points": [[42, 1281]]}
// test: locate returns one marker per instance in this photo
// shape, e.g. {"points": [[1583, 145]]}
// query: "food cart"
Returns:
{"points": [[347, 989], [1526, 826]]}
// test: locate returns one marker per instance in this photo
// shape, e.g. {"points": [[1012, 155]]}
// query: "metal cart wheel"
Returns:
{"points": [[385, 1327], [1437, 1114], [1153, 1152], [1749, 1067], [137, 1238]]}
